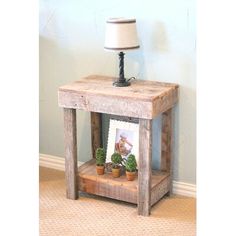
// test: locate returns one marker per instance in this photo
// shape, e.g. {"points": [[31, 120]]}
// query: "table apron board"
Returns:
{"points": [[137, 108]]}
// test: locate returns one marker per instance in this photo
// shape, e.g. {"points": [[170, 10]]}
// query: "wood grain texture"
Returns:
{"points": [[159, 190], [143, 99], [105, 185], [145, 170], [165, 102], [70, 153], [116, 188], [166, 143], [96, 129]]}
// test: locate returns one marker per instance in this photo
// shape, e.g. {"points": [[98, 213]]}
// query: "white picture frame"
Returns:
{"points": [[123, 137]]}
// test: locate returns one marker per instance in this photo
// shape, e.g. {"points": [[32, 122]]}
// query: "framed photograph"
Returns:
{"points": [[123, 138]]}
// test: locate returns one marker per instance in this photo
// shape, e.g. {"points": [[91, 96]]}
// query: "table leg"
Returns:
{"points": [[166, 147], [96, 127], [70, 153], [144, 168]]}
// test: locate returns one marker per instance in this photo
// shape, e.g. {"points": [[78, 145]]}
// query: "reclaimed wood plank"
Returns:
{"points": [[104, 189], [165, 103], [70, 153], [116, 188], [102, 85], [159, 190], [101, 104], [125, 118], [166, 144], [88, 171], [96, 132], [105, 185], [145, 171]]}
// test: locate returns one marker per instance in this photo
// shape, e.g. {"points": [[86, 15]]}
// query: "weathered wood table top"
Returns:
{"points": [[143, 99]]}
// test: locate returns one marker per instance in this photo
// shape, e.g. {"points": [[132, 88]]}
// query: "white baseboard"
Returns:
{"points": [[53, 162], [184, 189], [58, 163]]}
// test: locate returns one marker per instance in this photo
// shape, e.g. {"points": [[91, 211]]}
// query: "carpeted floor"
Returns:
{"points": [[93, 215]]}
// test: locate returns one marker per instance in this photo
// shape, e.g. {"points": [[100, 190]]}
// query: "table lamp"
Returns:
{"points": [[121, 35]]}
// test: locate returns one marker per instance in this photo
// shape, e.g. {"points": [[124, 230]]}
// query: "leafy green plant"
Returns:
{"points": [[116, 160], [100, 157], [131, 164]]}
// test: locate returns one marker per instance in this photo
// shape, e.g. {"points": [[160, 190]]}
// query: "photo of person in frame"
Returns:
{"points": [[124, 140]]}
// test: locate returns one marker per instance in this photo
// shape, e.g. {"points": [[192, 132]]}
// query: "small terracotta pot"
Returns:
{"points": [[116, 172], [100, 170], [130, 175]]}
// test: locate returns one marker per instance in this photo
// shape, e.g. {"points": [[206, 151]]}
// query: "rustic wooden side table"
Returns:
{"points": [[144, 100]]}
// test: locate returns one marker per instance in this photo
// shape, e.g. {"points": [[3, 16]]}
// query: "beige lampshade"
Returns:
{"points": [[121, 34]]}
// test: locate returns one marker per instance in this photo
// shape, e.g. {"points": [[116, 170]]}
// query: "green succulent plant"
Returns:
{"points": [[116, 160], [131, 164], [100, 157]]}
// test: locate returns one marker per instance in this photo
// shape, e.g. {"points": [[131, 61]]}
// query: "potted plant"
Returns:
{"points": [[130, 166], [100, 161], [116, 160]]}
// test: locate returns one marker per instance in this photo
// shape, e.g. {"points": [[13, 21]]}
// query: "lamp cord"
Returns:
{"points": [[131, 78]]}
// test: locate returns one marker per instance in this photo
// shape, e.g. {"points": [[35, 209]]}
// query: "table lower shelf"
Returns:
{"points": [[119, 188]]}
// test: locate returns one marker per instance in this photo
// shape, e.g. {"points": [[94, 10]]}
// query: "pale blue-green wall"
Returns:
{"points": [[71, 46]]}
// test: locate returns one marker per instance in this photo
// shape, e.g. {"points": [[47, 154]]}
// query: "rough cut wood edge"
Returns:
{"points": [[166, 144], [160, 190], [166, 102], [145, 170], [70, 153], [96, 128]]}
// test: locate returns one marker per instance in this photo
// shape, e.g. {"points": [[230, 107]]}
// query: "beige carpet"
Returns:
{"points": [[93, 215]]}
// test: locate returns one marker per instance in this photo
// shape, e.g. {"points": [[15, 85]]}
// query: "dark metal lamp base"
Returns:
{"points": [[121, 81], [121, 84]]}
